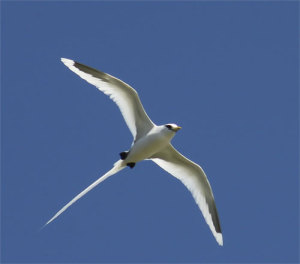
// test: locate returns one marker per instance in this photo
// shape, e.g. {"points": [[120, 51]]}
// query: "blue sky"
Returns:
{"points": [[227, 72]]}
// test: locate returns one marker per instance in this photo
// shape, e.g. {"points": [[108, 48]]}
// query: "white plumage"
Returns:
{"points": [[149, 142]]}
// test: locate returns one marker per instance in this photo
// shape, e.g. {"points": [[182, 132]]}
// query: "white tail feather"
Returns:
{"points": [[117, 167]]}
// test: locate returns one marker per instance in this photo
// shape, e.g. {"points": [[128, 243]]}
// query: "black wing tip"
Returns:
{"points": [[218, 226]]}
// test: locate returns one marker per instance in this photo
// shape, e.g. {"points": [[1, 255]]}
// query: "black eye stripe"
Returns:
{"points": [[168, 126]]}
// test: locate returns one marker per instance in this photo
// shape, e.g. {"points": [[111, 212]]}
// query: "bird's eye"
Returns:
{"points": [[169, 127]]}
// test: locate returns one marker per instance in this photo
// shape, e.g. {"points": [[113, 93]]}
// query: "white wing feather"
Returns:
{"points": [[194, 178], [121, 93]]}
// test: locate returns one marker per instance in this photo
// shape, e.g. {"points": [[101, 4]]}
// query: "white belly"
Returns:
{"points": [[145, 147]]}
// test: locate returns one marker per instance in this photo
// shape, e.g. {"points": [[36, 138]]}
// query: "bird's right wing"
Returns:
{"points": [[194, 178], [121, 93]]}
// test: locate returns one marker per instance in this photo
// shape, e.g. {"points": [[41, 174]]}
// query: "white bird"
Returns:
{"points": [[149, 142]]}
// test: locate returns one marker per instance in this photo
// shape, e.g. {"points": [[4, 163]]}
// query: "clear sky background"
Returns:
{"points": [[227, 72]]}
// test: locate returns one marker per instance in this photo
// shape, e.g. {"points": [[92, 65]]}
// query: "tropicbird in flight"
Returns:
{"points": [[149, 142]]}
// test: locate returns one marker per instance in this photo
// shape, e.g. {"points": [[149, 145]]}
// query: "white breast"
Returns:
{"points": [[148, 145]]}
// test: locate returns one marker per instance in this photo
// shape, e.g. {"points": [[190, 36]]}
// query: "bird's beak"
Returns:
{"points": [[177, 128]]}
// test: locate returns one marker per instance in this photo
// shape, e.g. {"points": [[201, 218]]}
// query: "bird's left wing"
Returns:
{"points": [[121, 93], [194, 178]]}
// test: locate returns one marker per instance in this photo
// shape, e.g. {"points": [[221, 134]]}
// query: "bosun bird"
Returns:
{"points": [[149, 142]]}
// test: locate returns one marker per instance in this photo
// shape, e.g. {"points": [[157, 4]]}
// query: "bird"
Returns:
{"points": [[150, 142]]}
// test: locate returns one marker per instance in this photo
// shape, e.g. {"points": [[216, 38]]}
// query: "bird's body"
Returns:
{"points": [[155, 140], [149, 142]]}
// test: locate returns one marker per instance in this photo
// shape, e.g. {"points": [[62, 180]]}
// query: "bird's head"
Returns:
{"points": [[172, 127]]}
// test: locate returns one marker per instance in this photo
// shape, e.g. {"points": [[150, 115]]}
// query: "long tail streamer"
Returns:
{"points": [[117, 167]]}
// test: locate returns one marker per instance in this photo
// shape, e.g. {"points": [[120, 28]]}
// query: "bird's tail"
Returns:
{"points": [[119, 165]]}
